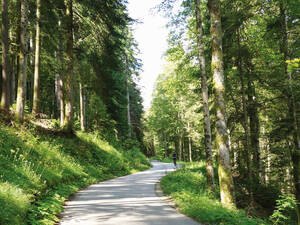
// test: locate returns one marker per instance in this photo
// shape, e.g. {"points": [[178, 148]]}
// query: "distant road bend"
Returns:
{"points": [[128, 200]]}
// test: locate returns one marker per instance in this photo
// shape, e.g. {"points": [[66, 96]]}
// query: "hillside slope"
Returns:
{"points": [[39, 172]]}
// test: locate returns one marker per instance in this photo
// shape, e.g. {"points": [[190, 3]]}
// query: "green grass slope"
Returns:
{"points": [[39, 172], [188, 188]]}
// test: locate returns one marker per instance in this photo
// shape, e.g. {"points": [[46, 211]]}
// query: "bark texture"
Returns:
{"points": [[128, 107], [82, 108], [5, 98], [222, 136], [36, 87], [60, 93], [207, 128], [68, 120], [22, 73], [190, 144]]}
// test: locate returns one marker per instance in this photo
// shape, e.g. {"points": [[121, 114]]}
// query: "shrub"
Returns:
{"points": [[285, 212]]}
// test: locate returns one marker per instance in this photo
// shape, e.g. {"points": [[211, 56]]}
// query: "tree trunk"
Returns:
{"points": [[60, 93], [56, 94], [82, 108], [68, 121], [22, 75], [183, 149], [179, 147], [190, 143], [254, 131], [36, 88], [222, 137], [13, 81], [207, 128], [190, 150], [245, 123], [128, 107], [5, 97]]}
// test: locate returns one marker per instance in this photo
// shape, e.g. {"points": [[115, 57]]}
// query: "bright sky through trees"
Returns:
{"points": [[151, 36]]}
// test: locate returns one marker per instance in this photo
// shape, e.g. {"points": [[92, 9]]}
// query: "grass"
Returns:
{"points": [[187, 187], [39, 172]]}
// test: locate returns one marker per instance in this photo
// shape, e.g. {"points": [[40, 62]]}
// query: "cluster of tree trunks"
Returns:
{"points": [[62, 84]]}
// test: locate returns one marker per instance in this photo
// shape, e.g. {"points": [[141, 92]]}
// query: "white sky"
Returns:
{"points": [[151, 36]]}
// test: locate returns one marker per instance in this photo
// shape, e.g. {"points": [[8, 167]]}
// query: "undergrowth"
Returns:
{"points": [[39, 172], [187, 187]]}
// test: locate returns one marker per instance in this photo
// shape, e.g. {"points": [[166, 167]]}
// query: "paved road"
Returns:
{"points": [[129, 200]]}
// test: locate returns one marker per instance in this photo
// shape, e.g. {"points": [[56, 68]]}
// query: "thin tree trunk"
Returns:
{"points": [[60, 93], [222, 137], [254, 130], [12, 82], [22, 76], [5, 97], [36, 88], [68, 121], [245, 122], [207, 128], [190, 150], [180, 147], [82, 108], [56, 93], [190, 143], [128, 106], [183, 149], [268, 168]]}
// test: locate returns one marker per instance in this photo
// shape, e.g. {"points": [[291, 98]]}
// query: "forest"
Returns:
{"points": [[67, 67], [229, 99], [229, 95]]}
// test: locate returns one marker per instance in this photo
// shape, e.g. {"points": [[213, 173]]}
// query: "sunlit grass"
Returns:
{"points": [[38, 172], [188, 188]]}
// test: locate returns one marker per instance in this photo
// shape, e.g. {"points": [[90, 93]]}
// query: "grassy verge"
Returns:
{"points": [[187, 187], [39, 172]]}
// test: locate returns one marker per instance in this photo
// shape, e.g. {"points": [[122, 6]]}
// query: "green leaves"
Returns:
{"points": [[285, 211], [293, 65]]}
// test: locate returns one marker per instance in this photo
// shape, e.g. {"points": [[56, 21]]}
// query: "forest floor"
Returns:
{"points": [[126, 200]]}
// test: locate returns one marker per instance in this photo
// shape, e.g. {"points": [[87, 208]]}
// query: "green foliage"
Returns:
{"points": [[188, 188], [98, 117], [293, 64], [285, 212], [38, 173]]}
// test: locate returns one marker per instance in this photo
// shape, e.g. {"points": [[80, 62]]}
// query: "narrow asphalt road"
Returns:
{"points": [[129, 200]]}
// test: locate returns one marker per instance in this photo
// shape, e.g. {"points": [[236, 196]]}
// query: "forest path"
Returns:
{"points": [[128, 200]]}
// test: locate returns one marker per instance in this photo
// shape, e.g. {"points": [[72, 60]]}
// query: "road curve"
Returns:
{"points": [[128, 200]]}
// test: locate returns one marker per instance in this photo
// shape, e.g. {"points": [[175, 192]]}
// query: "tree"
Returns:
{"points": [[207, 128], [22, 76], [36, 91], [68, 121], [5, 97], [82, 108], [222, 139]]}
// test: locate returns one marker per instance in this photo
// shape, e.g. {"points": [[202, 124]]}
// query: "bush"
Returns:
{"points": [[285, 212]]}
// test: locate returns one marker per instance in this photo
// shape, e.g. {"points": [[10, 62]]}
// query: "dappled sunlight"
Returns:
{"points": [[127, 200]]}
